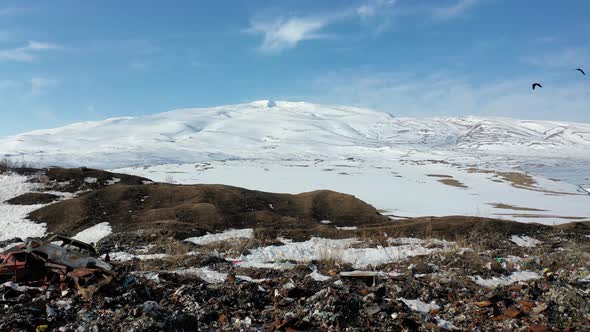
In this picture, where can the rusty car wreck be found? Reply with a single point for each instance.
(57, 260)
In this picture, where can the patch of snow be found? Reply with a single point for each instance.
(359, 273)
(90, 180)
(315, 275)
(121, 256)
(13, 218)
(405, 240)
(346, 228)
(420, 306)
(230, 234)
(525, 241)
(325, 222)
(416, 241)
(145, 249)
(340, 250)
(506, 280)
(113, 181)
(446, 325)
(205, 273)
(94, 233)
(263, 265)
(250, 279)
(10, 246)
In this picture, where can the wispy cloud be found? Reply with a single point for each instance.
(449, 94)
(453, 11)
(282, 33)
(27, 53)
(285, 33)
(373, 8)
(40, 84)
(377, 14)
(570, 57)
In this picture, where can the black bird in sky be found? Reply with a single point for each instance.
(580, 70)
(536, 85)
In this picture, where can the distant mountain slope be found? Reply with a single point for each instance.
(266, 129)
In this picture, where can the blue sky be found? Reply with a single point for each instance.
(66, 61)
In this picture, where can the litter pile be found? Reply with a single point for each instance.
(62, 285)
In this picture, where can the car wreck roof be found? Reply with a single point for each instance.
(70, 240)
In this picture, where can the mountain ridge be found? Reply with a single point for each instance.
(283, 129)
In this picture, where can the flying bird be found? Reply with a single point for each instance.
(536, 85)
(580, 70)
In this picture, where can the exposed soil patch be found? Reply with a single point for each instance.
(33, 198)
(440, 176)
(540, 216)
(517, 180)
(453, 183)
(513, 207)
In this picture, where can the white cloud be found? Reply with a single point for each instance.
(27, 53)
(372, 8)
(453, 11)
(281, 33)
(448, 94)
(40, 84)
(285, 33)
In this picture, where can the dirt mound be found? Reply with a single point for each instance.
(192, 207)
(453, 226)
(33, 198)
(76, 179)
(575, 226)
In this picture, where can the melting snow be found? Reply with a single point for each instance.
(506, 280)
(347, 228)
(113, 181)
(229, 234)
(315, 275)
(325, 222)
(368, 274)
(121, 256)
(13, 218)
(524, 241)
(12, 245)
(446, 324)
(94, 233)
(420, 306)
(90, 180)
(339, 250)
(250, 279)
(205, 273)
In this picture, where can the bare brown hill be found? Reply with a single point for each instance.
(186, 208)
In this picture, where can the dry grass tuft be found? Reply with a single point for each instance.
(453, 183)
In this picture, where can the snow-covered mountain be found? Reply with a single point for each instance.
(404, 166)
(268, 129)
